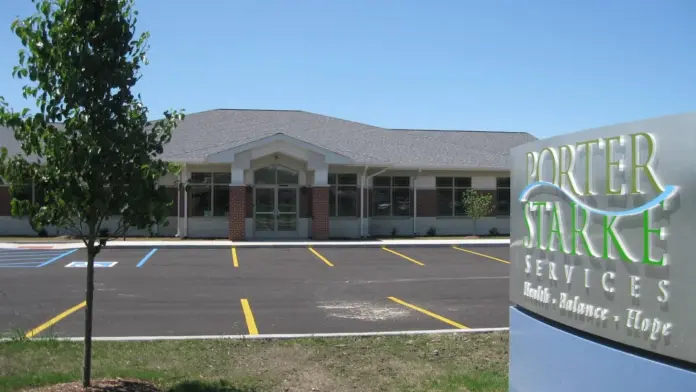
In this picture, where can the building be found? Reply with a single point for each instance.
(282, 174)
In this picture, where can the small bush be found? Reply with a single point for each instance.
(103, 236)
(432, 232)
(494, 231)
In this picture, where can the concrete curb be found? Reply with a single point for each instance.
(257, 244)
(274, 336)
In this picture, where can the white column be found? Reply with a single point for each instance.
(241, 163)
(318, 164)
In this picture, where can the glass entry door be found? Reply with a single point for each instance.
(275, 210)
(286, 208)
(264, 210)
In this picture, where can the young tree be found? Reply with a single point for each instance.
(477, 205)
(87, 146)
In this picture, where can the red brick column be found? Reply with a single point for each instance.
(237, 213)
(320, 213)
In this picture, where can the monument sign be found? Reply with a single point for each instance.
(603, 233)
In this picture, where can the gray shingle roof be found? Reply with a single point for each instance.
(205, 133)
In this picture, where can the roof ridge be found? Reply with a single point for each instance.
(452, 130)
(243, 110)
(261, 110)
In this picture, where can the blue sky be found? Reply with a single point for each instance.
(545, 67)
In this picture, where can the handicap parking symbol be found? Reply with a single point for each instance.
(97, 264)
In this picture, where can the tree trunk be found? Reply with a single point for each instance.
(89, 297)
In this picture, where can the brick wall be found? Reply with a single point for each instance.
(249, 201)
(238, 209)
(320, 213)
(5, 207)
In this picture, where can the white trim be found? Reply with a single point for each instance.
(275, 336)
(351, 163)
(229, 154)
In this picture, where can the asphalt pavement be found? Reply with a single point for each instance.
(230, 291)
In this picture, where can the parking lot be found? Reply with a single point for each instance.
(230, 291)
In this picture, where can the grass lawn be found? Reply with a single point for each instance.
(456, 362)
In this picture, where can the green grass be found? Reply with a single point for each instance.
(462, 362)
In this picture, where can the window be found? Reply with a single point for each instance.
(24, 191)
(343, 195)
(449, 195)
(209, 194)
(276, 175)
(502, 195)
(391, 196)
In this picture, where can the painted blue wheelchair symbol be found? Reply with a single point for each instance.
(97, 264)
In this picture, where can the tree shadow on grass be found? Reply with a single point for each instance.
(209, 386)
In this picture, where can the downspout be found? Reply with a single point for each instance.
(370, 176)
(185, 202)
(178, 206)
(363, 182)
(415, 202)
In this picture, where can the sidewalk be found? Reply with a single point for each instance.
(119, 243)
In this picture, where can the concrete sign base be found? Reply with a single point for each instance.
(544, 359)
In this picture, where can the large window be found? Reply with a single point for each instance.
(276, 175)
(25, 191)
(502, 191)
(449, 195)
(343, 195)
(391, 196)
(209, 194)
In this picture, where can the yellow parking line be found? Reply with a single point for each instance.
(235, 260)
(322, 258)
(403, 255)
(55, 320)
(481, 254)
(249, 316)
(429, 313)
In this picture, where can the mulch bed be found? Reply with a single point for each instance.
(117, 385)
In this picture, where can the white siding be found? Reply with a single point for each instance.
(208, 227)
(385, 226)
(479, 182)
(463, 226)
(10, 226)
(442, 226)
(425, 182)
(340, 227)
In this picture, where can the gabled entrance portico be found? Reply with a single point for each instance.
(272, 180)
